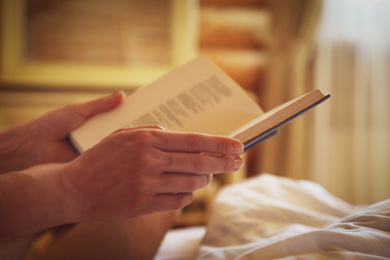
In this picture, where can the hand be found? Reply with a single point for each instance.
(45, 139)
(133, 172)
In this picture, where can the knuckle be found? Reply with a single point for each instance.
(192, 183)
(168, 162)
(144, 138)
(143, 183)
(150, 160)
(182, 200)
(193, 141)
(200, 163)
(222, 147)
(145, 160)
(229, 164)
(142, 155)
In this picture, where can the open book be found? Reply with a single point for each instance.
(196, 97)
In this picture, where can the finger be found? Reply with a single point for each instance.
(71, 117)
(100, 105)
(171, 201)
(197, 143)
(201, 163)
(182, 183)
(157, 127)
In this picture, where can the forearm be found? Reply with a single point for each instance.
(33, 200)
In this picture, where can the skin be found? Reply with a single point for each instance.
(45, 140)
(131, 173)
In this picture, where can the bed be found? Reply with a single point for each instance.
(270, 217)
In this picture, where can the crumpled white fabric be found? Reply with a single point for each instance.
(270, 217)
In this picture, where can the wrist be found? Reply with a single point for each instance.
(13, 156)
(64, 200)
(71, 199)
(33, 200)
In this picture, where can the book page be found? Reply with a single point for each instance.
(196, 97)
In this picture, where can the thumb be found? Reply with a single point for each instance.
(100, 105)
(68, 118)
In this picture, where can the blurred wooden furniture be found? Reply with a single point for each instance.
(59, 52)
(93, 44)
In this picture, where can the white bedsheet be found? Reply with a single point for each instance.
(270, 217)
(181, 244)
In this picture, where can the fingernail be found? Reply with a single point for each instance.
(210, 178)
(238, 163)
(236, 148)
(119, 92)
(160, 127)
